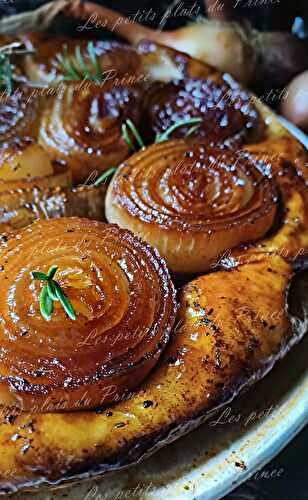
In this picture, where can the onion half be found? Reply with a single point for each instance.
(192, 201)
(225, 108)
(124, 301)
(83, 126)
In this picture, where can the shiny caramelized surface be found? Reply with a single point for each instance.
(192, 201)
(23, 206)
(233, 324)
(18, 115)
(225, 108)
(193, 187)
(123, 298)
(83, 126)
(25, 164)
(116, 59)
(220, 344)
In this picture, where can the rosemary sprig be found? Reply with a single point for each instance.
(192, 130)
(6, 74)
(104, 176)
(129, 125)
(6, 68)
(75, 67)
(51, 291)
(164, 136)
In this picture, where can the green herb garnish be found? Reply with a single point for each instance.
(164, 136)
(104, 176)
(6, 74)
(129, 125)
(51, 291)
(6, 68)
(76, 67)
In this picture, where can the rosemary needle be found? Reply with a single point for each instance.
(104, 176)
(51, 291)
(164, 136)
(6, 74)
(129, 124)
(76, 67)
(46, 304)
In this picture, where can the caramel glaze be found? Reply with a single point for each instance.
(227, 114)
(21, 207)
(233, 325)
(116, 59)
(125, 305)
(192, 201)
(83, 126)
(19, 115)
(289, 235)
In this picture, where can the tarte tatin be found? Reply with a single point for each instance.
(100, 366)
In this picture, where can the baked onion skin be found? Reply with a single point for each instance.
(125, 305)
(227, 113)
(224, 342)
(82, 126)
(21, 207)
(191, 201)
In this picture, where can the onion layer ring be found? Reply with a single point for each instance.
(191, 201)
(124, 300)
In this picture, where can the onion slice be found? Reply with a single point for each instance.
(225, 108)
(191, 201)
(82, 126)
(21, 207)
(124, 300)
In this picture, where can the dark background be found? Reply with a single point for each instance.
(263, 14)
(293, 483)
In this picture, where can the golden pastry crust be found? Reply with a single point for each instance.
(214, 353)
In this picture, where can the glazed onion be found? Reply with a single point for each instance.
(224, 107)
(191, 201)
(25, 164)
(83, 126)
(122, 296)
(19, 115)
(21, 207)
(116, 59)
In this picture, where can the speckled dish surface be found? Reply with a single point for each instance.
(227, 450)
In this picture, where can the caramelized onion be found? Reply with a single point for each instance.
(21, 207)
(224, 107)
(19, 115)
(117, 60)
(83, 126)
(25, 164)
(125, 305)
(191, 201)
